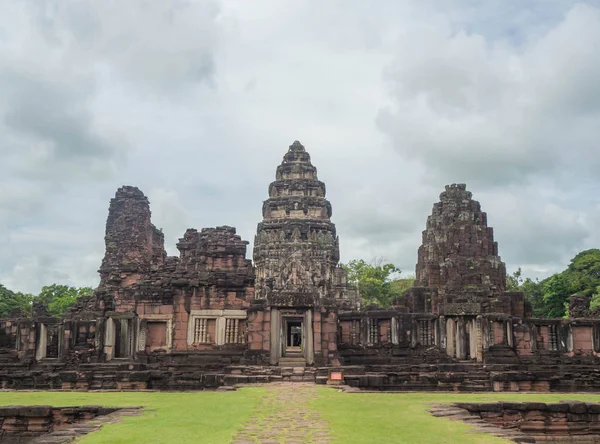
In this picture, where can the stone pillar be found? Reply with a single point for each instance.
(596, 337)
(364, 331)
(414, 332)
(477, 348)
(451, 337)
(510, 338)
(68, 337)
(220, 330)
(142, 331)
(42, 343)
(461, 331)
(394, 328)
(472, 339)
(109, 339)
(124, 339)
(309, 352)
(275, 337)
(440, 339)
(570, 344)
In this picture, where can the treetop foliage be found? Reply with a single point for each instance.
(375, 281)
(57, 298)
(550, 297)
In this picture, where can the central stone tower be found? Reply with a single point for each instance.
(296, 255)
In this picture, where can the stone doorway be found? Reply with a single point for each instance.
(291, 335)
(294, 343)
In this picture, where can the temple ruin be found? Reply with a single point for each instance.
(213, 317)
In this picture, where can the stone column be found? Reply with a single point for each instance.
(142, 330)
(275, 338)
(364, 331)
(461, 332)
(570, 343)
(124, 338)
(68, 336)
(510, 338)
(477, 349)
(394, 327)
(220, 330)
(414, 332)
(109, 339)
(440, 339)
(42, 345)
(451, 337)
(309, 352)
(533, 336)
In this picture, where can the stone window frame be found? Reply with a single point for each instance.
(373, 330)
(425, 332)
(41, 343)
(220, 317)
(155, 318)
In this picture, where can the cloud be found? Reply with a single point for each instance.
(195, 102)
(495, 113)
(72, 78)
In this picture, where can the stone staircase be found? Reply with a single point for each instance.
(292, 361)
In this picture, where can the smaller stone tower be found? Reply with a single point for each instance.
(133, 244)
(458, 262)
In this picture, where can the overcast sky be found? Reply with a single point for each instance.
(196, 102)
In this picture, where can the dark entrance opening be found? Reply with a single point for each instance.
(294, 336)
(52, 333)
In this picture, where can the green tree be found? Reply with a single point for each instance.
(401, 285)
(534, 293)
(514, 281)
(557, 291)
(58, 298)
(11, 301)
(595, 301)
(550, 297)
(375, 281)
(584, 272)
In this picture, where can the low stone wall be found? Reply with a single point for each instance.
(22, 424)
(566, 421)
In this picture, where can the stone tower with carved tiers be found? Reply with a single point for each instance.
(296, 249)
(458, 259)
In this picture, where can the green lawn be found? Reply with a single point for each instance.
(214, 417)
(196, 417)
(403, 417)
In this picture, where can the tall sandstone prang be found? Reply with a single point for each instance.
(458, 268)
(296, 255)
(296, 248)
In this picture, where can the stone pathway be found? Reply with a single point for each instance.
(284, 417)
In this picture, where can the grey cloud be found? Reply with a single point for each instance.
(54, 116)
(493, 113)
(161, 47)
(196, 103)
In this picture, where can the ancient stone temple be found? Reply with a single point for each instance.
(296, 255)
(212, 317)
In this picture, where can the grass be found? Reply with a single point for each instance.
(403, 417)
(215, 417)
(193, 417)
